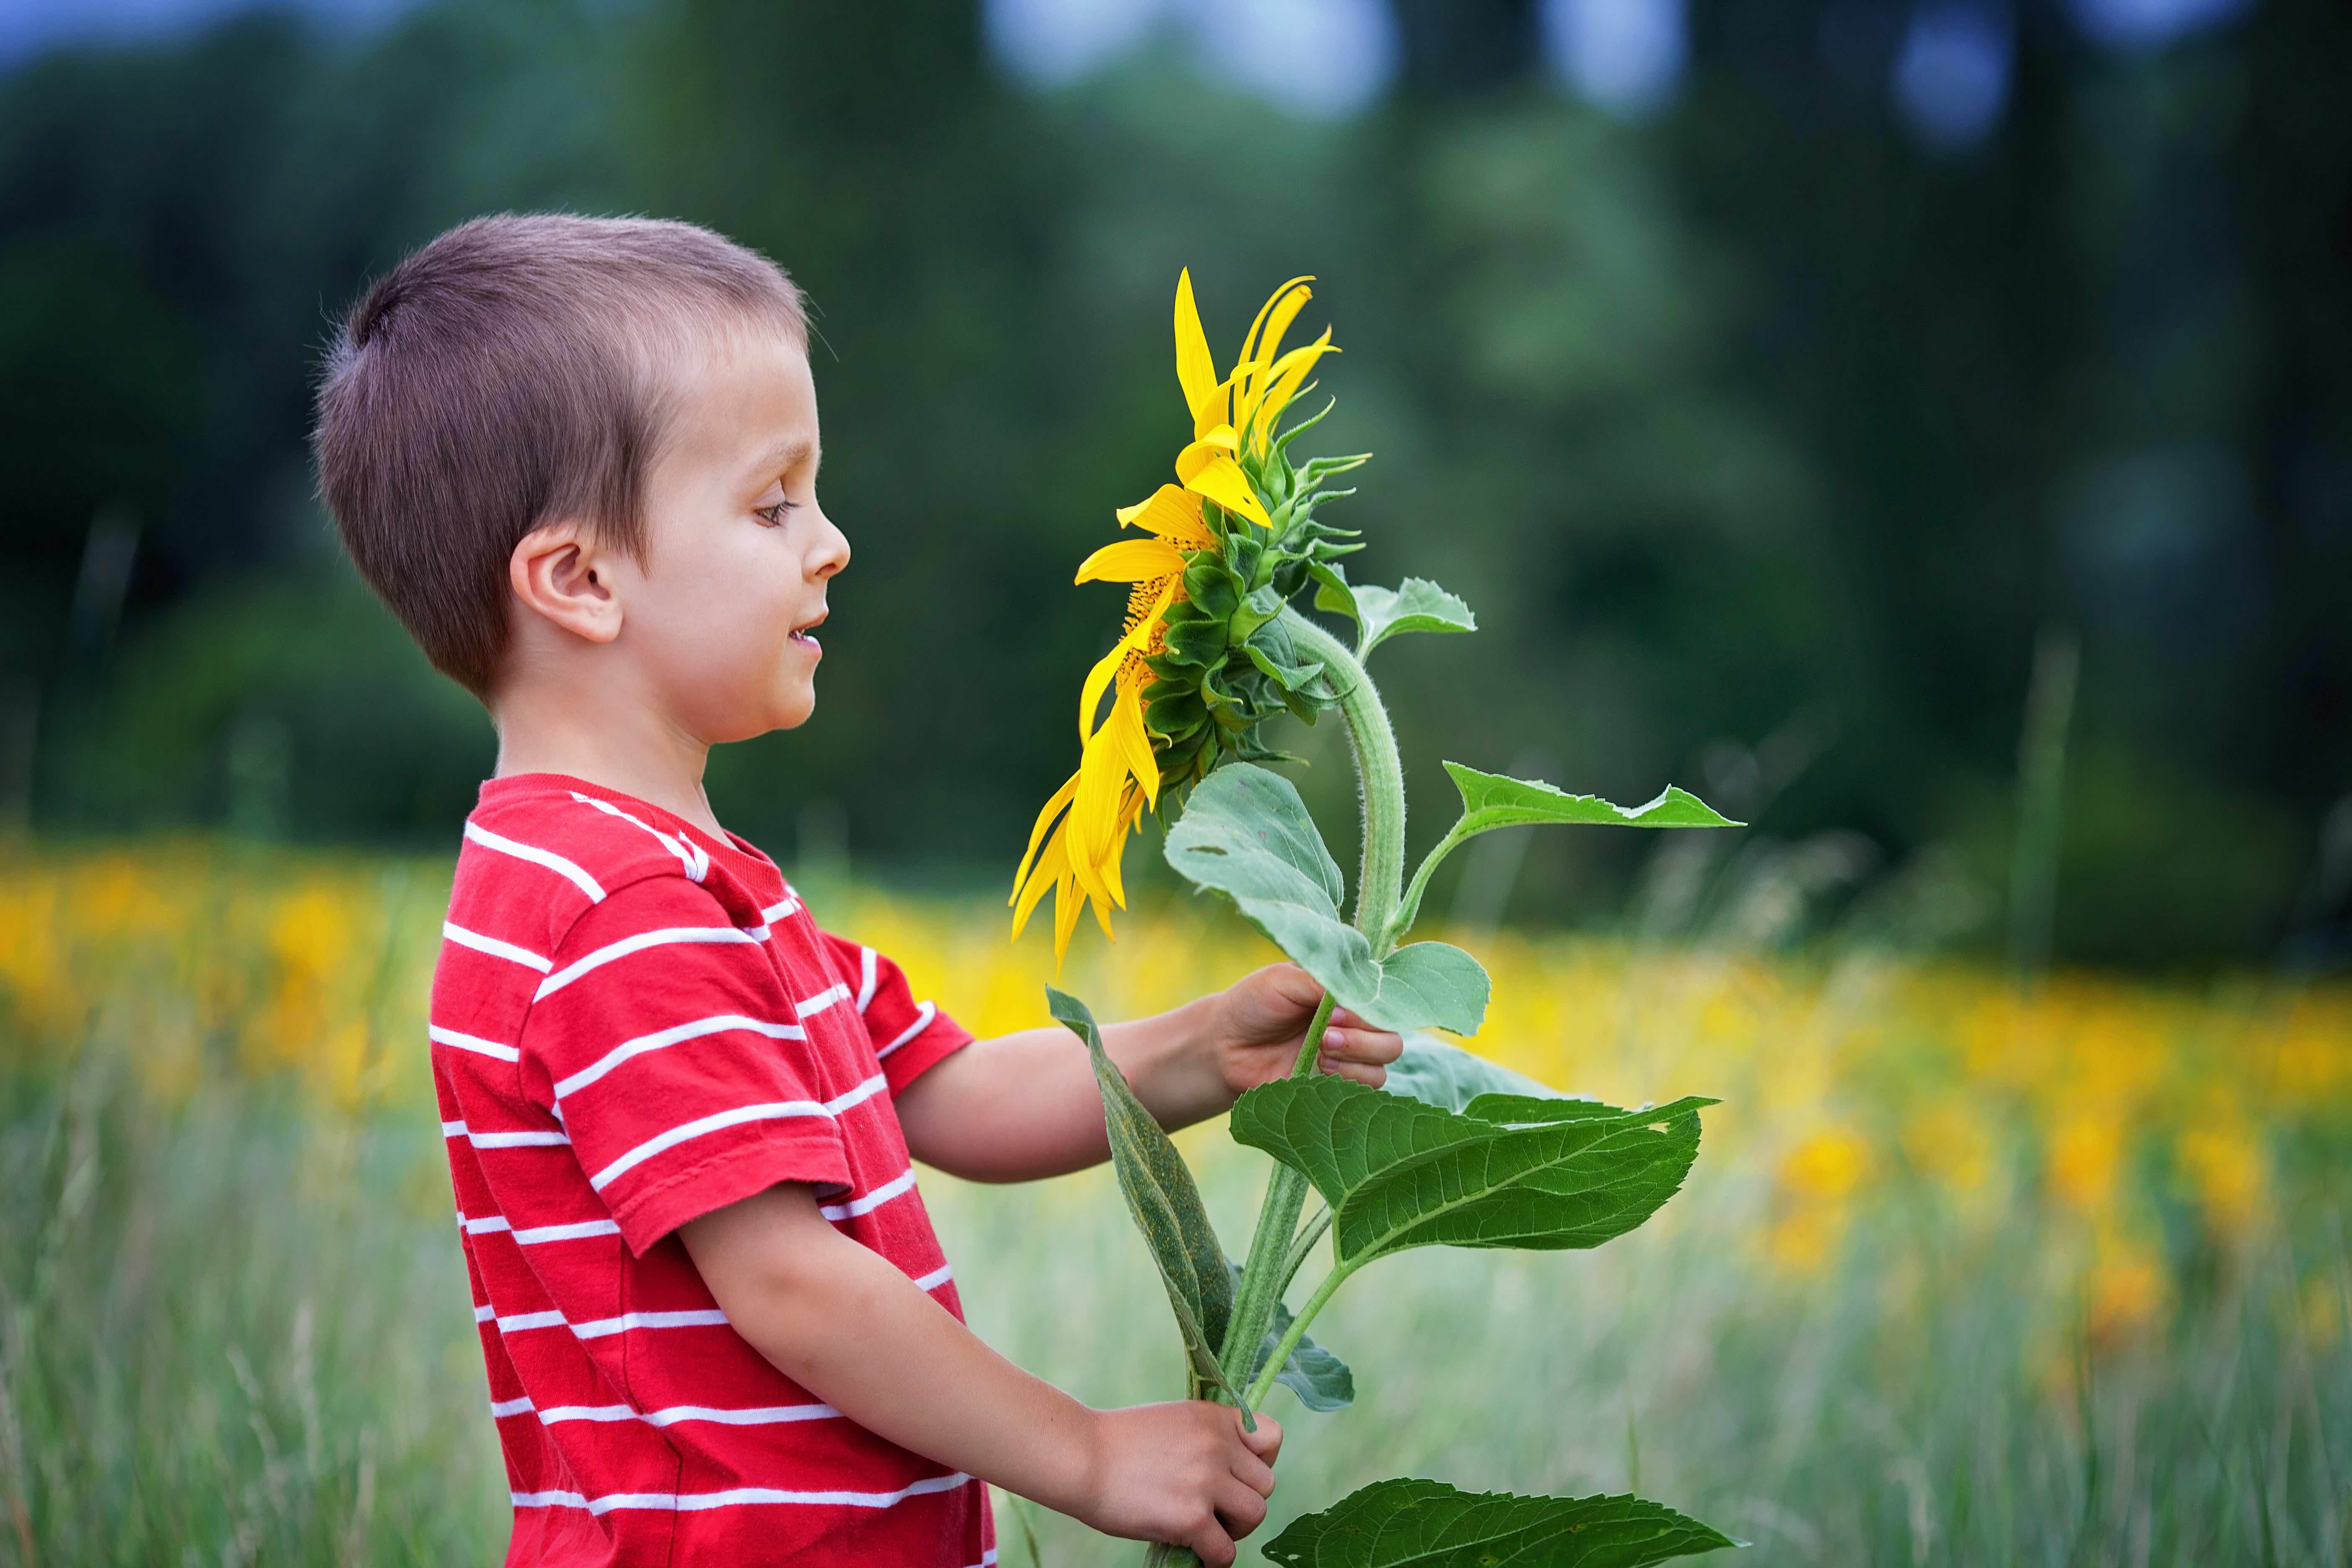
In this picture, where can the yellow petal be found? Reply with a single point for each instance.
(1037, 835)
(1249, 342)
(1126, 727)
(1214, 412)
(1131, 560)
(1106, 668)
(1288, 375)
(1053, 865)
(1173, 513)
(1207, 471)
(1224, 437)
(1196, 369)
(1067, 904)
(1277, 325)
(1094, 818)
(1097, 680)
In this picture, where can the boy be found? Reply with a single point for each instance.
(578, 459)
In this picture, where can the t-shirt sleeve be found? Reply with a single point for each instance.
(663, 1040)
(910, 1037)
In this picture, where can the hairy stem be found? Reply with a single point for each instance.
(1254, 1395)
(1286, 1195)
(1301, 1247)
(1409, 909)
(1379, 772)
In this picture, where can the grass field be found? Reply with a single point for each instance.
(1963, 1276)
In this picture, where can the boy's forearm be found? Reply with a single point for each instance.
(842, 1321)
(1025, 1105)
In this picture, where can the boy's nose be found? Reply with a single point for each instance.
(832, 552)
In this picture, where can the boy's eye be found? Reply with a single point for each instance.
(773, 516)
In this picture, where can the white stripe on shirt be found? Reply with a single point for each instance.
(502, 1140)
(670, 1037)
(923, 1018)
(734, 1116)
(822, 1000)
(494, 947)
(672, 1415)
(538, 856)
(935, 1279)
(503, 1408)
(441, 1036)
(790, 902)
(869, 975)
(874, 1200)
(695, 1503)
(690, 854)
(637, 943)
(534, 1235)
(604, 1328)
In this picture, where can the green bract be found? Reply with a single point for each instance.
(1229, 663)
(1458, 1152)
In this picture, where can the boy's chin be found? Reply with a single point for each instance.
(786, 711)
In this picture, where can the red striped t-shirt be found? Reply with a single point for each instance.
(634, 1024)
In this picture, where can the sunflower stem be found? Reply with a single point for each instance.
(1380, 775)
(1263, 1275)
(1380, 881)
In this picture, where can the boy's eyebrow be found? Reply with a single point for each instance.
(784, 454)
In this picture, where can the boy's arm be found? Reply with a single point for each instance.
(1025, 1105)
(842, 1321)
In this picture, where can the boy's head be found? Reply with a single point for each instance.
(585, 449)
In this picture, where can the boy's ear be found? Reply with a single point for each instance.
(562, 573)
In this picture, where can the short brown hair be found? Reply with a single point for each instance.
(505, 376)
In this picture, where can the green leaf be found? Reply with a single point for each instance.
(1428, 1524)
(1544, 1175)
(1246, 834)
(1490, 800)
(1278, 658)
(1332, 592)
(1449, 1078)
(1160, 1194)
(1320, 1379)
(1416, 605)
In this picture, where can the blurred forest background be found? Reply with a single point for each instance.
(1773, 378)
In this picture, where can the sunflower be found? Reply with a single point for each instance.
(1226, 472)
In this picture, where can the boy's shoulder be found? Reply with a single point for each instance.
(538, 854)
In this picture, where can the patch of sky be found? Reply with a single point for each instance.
(2148, 24)
(1317, 58)
(1050, 42)
(1624, 57)
(1951, 72)
(29, 27)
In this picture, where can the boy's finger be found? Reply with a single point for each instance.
(1266, 1441)
(1377, 1047)
(1212, 1546)
(1254, 1473)
(1241, 1509)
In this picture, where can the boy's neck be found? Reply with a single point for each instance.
(620, 745)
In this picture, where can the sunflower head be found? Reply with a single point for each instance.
(1205, 659)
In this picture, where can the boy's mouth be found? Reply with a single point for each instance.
(800, 633)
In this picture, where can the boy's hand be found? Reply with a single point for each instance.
(1184, 1472)
(1262, 1021)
